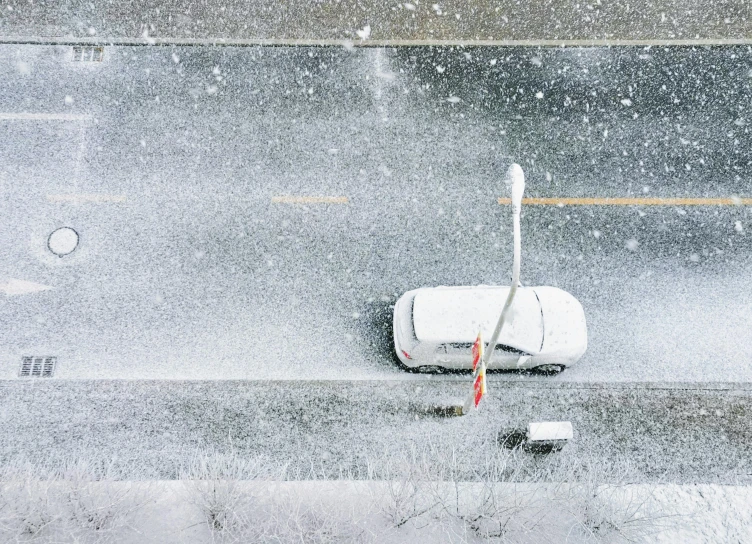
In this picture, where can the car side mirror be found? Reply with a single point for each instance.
(522, 361)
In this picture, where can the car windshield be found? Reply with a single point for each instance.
(456, 315)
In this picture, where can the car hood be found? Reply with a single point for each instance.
(564, 326)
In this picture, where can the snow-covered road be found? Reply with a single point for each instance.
(176, 165)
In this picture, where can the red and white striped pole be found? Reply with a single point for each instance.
(479, 377)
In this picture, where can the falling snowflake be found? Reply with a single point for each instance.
(364, 33)
(626, 102)
(454, 99)
(149, 39)
(632, 244)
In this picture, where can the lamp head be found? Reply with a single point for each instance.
(516, 178)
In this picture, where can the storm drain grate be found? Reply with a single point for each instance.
(83, 53)
(37, 367)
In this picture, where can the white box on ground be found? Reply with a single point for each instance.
(547, 431)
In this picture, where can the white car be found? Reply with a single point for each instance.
(435, 327)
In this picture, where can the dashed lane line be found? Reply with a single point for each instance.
(310, 200)
(86, 198)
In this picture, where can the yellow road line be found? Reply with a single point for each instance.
(583, 201)
(24, 116)
(81, 198)
(310, 200)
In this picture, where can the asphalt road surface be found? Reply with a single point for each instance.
(253, 213)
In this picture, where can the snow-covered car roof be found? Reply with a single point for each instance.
(455, 314)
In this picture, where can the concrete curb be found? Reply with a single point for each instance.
(393, 43)
(438, 381)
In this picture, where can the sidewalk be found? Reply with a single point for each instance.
(679, 436)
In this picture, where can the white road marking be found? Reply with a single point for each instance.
(13, 286)
(25, 116)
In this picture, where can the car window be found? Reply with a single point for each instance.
(500, 348)
(509, 349)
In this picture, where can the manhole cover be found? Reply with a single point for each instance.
(63, 241)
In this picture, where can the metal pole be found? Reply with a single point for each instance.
(516, 176)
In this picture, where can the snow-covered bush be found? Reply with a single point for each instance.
(27, 507)
(608, 505)
(507, 504)
(214, 482)
(425, 493)
(408, 495)
(77, 501)
(307, 520)
(238, 502)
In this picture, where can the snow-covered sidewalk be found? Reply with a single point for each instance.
(669, 435)
(190, 511)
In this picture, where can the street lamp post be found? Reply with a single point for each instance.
(516, 178)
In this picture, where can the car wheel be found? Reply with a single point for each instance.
(403, 366)
(549, 370)
(429, 369)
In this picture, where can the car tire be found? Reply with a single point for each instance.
(549, 370)
(429, 369)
